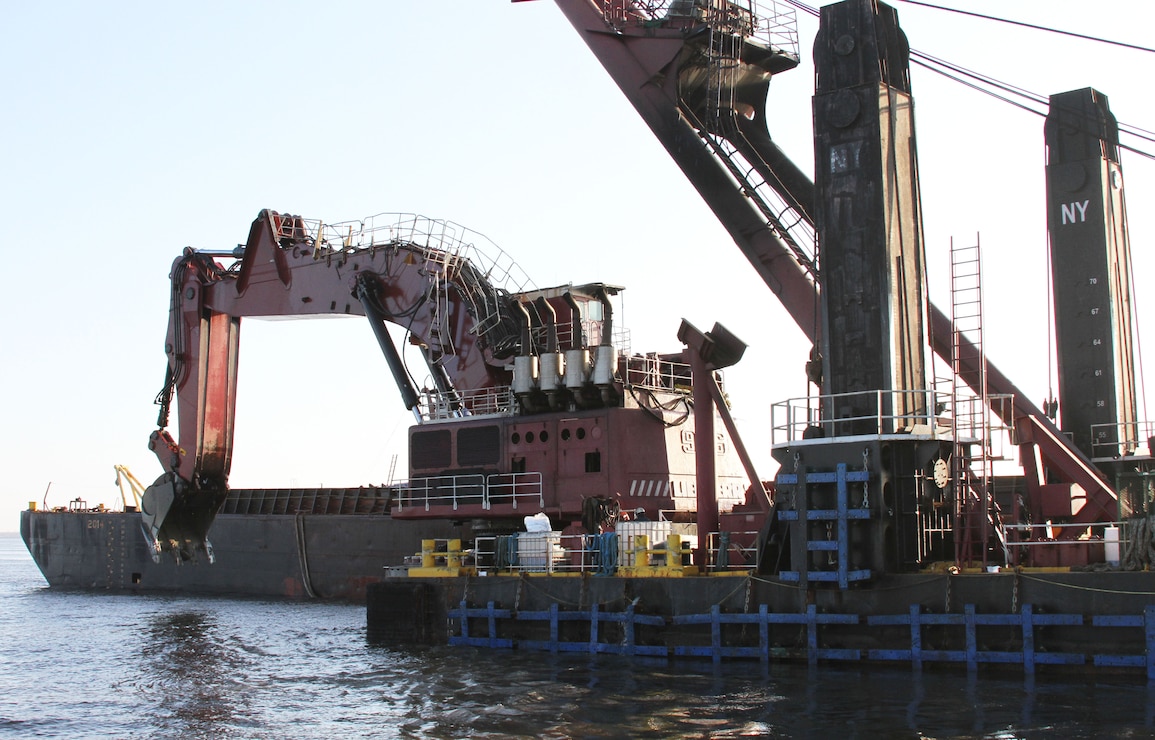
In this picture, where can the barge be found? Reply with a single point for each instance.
(894, 532)
(891, 532)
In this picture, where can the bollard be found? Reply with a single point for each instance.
(674, 552)
(641, 550)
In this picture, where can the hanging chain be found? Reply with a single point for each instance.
(794, 488)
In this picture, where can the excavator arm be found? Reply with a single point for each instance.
(412, 272)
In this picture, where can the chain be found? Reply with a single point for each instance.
(1015, 595)
(746, 608)
(866, 483)
(794, 488)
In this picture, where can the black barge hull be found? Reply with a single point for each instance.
(329, 556)
(1065, 620)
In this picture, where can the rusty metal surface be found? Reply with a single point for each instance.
(1091, 276)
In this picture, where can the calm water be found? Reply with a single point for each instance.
(94, 665)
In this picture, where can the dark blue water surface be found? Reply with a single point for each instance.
(76, 665)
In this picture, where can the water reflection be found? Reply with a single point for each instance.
(189, 669)
(459, 692)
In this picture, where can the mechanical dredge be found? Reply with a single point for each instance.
(886, 533)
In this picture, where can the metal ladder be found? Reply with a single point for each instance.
(729, 24)
(976, 513)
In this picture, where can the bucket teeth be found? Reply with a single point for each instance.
(176, 518)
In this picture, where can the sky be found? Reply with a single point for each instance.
(131, 130)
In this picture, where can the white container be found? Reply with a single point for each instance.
(551, 365)
(577, 363)
(605, 360)
(656, 531)
(1111, 544)
(539, 551)
(524, 374)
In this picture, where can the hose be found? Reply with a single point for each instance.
(1139, 549)
(607, 553)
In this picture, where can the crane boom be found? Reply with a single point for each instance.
(661, 56)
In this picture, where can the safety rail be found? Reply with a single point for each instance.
(592, 335)
(804, 418)
(641, 371)
(1116, 538)
(441, 490)
(553, 552)
(622, 340)
(454, 491)
(75, 506)
(438, 236)
(480, 271)
(507, 488)
(1045, 533)
(768, 22)
(807, 417)
(777, 24)
(539, 552)
(1112, 440)
(733, 550)
(653, 372)
(607, 553)
(455, 404)
(80, 506)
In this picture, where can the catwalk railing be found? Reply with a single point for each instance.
(930, 414)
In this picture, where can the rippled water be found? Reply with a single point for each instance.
(79, 665)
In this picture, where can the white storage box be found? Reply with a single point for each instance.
(539, 550)
(656, 531)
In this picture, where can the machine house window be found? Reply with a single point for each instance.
(430, 450)
(478, 446)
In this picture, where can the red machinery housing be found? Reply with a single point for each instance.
(532, 407)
